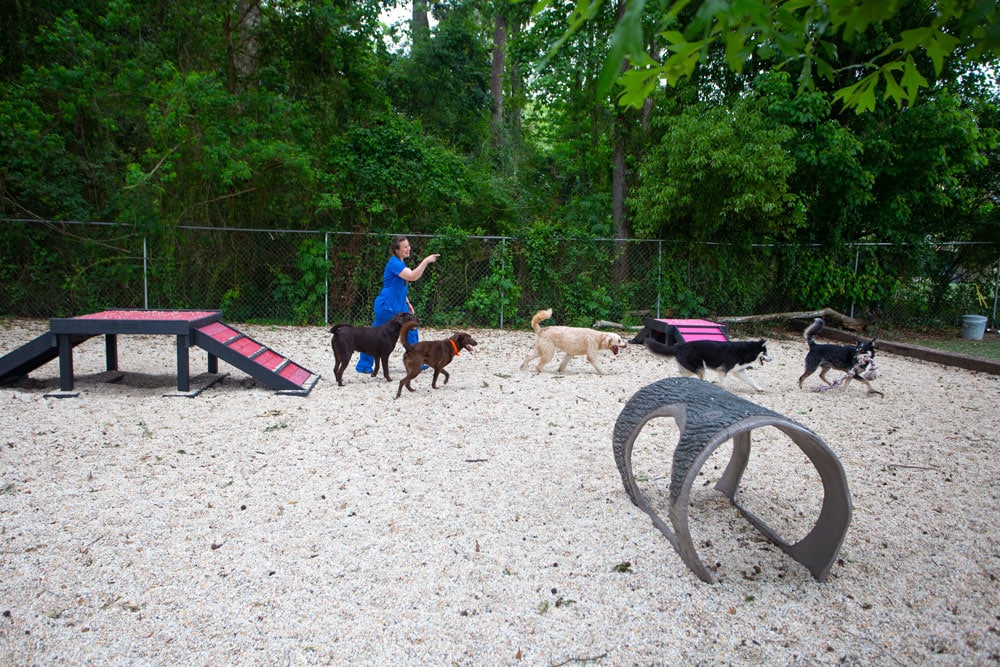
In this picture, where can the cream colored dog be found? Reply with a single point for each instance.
(574, 341)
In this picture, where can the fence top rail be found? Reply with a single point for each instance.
(488, 237)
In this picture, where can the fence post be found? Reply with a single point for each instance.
(326, 298)
(996, 289)
(857, 254)
(659, 275)
(503, 268)
(145, 274)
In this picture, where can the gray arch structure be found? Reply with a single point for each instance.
(707, 417)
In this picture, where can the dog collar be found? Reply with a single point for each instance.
(453, 346)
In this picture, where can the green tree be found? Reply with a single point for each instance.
(445, 83)
(718, 172)
(389, 175)
(800, 34)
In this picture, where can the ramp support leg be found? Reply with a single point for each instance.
(111, 351)
(65, 362)
(183, 369)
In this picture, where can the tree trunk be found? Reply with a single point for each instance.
(619, 184)
(619, 191)
(514, 115)
(515, 82)
(243, 46)
(420, 27)
(619, 177)
(496, 74)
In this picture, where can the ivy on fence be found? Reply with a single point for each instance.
(58, 269)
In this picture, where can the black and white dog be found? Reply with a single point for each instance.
(697, 356)
(855, 360)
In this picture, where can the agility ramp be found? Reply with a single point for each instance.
(254, 358)
(676, 331)
(17, 364)
(203, 329)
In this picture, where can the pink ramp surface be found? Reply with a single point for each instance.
(690, 330)
(150, 315)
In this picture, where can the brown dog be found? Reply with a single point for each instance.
(377, 341)
(434, 353)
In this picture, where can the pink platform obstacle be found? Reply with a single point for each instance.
(201, 328)
(674, 331)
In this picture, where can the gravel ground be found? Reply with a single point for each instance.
(481, 523)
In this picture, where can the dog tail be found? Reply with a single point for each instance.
(540, 316)
(335, 329)
(660, 348)
(812, 330)
(405, 329)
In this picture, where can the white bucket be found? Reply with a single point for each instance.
(973, 327)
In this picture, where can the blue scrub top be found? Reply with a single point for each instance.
(392, 298)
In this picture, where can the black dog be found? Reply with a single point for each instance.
(377, 341)
(725, 357)
(841, 357)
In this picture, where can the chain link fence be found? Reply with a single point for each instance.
(64, 269)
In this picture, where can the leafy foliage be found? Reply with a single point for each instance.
(568, 271)
(445, 84)
(386, 174)
(718, 172)
(305, 294)
(185, 122)
(799, 34)
(498, 293)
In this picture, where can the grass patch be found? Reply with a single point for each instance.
(947, 340)
(987, 348)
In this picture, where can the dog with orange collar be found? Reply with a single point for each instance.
(434, 354)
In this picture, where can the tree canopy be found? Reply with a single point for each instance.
(736, 121)
(803, 36)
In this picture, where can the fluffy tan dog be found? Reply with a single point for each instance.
(574, 341)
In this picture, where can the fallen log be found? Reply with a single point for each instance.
(846, 321)
(605, 324)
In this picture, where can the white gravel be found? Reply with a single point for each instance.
(481, 523)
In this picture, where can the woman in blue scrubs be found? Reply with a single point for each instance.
(393, 299)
